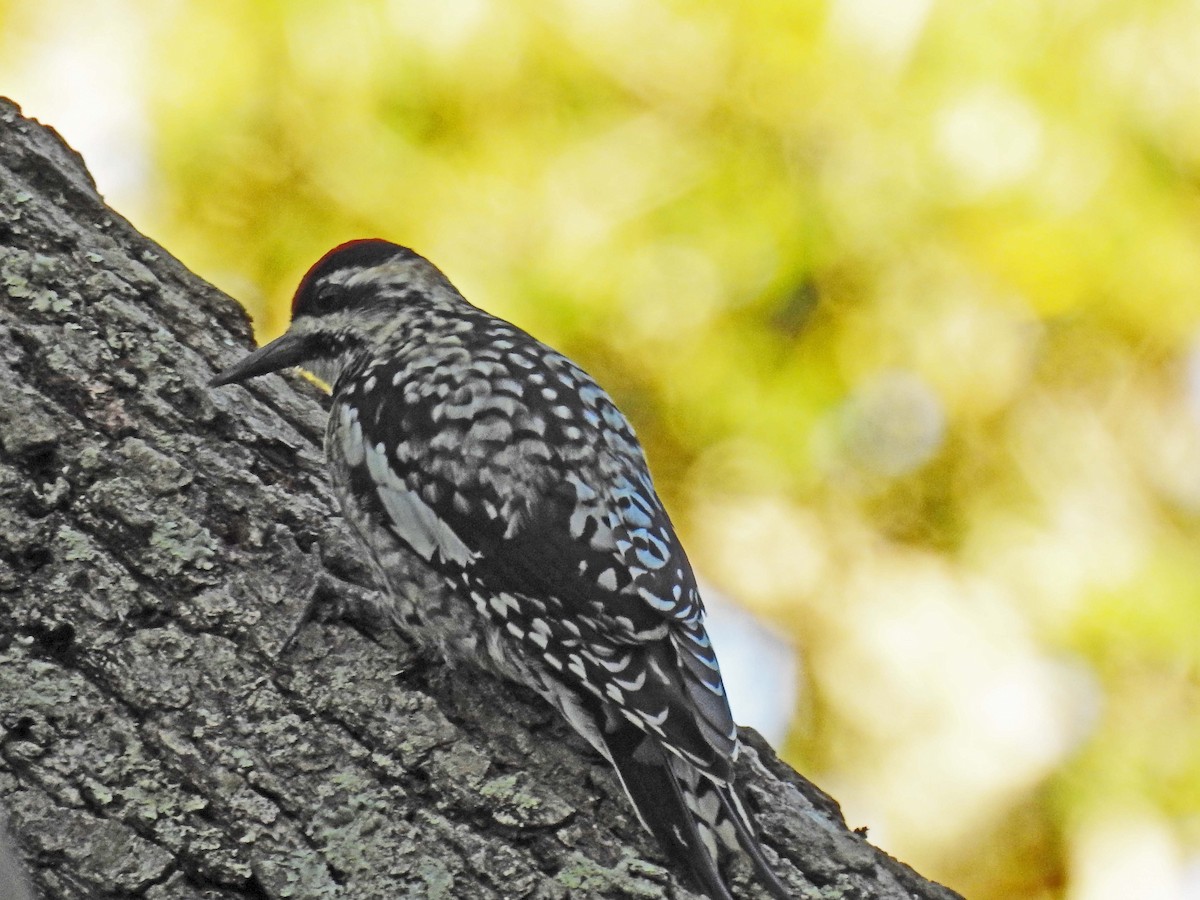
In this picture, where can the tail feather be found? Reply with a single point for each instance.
(748, 839)
(662, 807)
(694, 818)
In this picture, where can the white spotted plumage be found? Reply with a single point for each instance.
(508, 509)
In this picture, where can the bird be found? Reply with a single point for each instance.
(464, 450)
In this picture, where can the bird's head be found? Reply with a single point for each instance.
(348, 296)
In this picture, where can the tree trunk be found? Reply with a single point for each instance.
(159, 543)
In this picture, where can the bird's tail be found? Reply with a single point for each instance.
(694, 818)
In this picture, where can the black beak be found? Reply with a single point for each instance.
(287, 350)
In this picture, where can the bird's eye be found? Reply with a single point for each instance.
(331, 294)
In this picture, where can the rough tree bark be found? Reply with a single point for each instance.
(158, 543)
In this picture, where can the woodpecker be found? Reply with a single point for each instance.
(464, 450)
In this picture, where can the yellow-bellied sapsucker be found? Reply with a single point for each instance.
(460, 445)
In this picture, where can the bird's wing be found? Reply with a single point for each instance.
(611, 565)
(578, 559)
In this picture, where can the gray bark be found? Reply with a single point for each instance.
(158, 544)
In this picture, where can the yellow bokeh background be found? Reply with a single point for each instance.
(903, 297)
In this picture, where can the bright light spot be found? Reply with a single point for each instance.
(774, 552)
(1092, 530)
(445, 26)
(1034, 711)
(958, 712)
(74, 78)
(991, 138)
(1154, 60)
(894, 424)
(1168, 436)
(1191, 879)
(1192, 381)
(1125, 854)
(979, 352)
(889, 28)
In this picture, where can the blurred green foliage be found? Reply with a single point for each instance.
(902, 295)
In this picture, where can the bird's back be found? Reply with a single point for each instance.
(502, 466)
